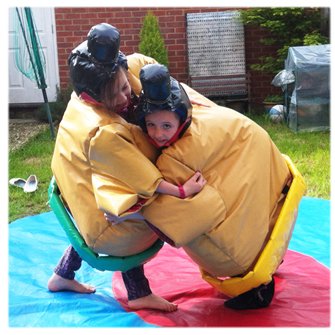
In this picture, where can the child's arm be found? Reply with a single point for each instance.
(191, 186)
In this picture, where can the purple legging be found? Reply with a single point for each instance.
(136, 283)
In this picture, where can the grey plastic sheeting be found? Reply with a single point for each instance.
(308, 98)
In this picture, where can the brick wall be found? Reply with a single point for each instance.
(72, 25)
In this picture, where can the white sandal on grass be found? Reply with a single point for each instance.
(31, 184)
(19, 182)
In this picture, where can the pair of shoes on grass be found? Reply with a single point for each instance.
(29, 185)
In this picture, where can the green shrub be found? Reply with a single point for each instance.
(151, 41)
(287, 27)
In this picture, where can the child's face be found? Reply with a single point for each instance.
(161, 126)
(122, 92)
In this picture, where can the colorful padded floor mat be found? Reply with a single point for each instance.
(36, 243)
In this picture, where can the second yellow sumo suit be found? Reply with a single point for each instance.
(238, 227)
(225, 226)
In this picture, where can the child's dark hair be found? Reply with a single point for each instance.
(109, 90)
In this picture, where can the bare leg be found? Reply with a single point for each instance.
(64, 273)
(56, 283)
(140, 295)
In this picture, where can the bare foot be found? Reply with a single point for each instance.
(56, 283)
(152, 301)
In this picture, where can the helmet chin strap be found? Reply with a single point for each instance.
(87, 98)
(175, 137)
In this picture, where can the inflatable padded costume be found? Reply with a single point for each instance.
(101, 162)
(224, 227)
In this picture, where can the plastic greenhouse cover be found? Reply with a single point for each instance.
(308, 97)
(307, 55)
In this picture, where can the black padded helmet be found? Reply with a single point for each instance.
(94, 62)
(103, 43)
(160, 91)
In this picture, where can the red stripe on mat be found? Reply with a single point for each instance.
(302, 297)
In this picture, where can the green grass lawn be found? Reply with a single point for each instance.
(310, 152)
(33, 158)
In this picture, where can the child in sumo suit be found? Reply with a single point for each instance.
(98, 151)
(224, 227)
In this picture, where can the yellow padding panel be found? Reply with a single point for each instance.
(274, 250)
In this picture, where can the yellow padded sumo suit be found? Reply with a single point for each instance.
(225, 226)
(98, 166)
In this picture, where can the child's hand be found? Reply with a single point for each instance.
(195, 184)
